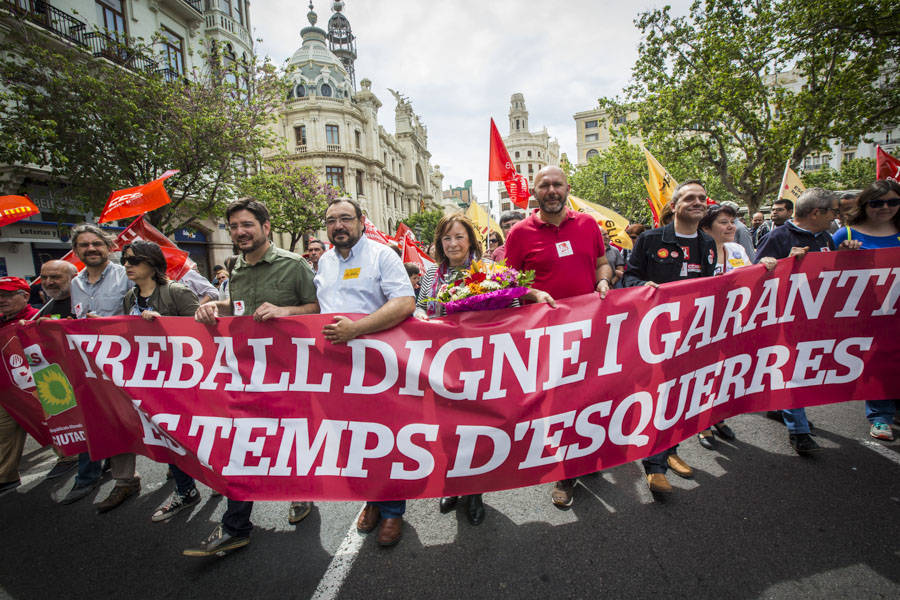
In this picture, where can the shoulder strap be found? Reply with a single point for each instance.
(848, 233)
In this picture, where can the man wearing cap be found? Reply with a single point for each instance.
(14, 293)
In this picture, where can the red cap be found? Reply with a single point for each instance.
(13, 284)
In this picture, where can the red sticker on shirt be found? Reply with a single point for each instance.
(687, 252)
(662, 253)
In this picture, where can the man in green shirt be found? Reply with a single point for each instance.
(266, 282)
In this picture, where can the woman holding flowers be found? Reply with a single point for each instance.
(456, 247)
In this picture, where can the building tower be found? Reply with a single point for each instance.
(341, 40)
(518, 115)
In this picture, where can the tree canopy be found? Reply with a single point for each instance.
(423, 225)
(93, 126)
(295, 196)
(744, 85)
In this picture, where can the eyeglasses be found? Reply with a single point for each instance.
(892, 202)
(345, 220)
(96, 244)
(133, 260)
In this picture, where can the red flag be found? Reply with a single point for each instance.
(178, 262)
(15, 208)
(517, 187)
(138, 200)
(886, 166)
(500, 167)
(410, 247)
(374, 234)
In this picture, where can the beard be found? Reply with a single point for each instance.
(546, 200)
(348, 242)
(255, 244)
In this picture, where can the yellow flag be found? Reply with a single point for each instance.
(660, 185)
(482, 220)
(791, 186)
(610, 220)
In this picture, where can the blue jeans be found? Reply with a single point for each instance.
(659, 462)
(795, 420)
(391, 509)
(89, 471)
(880, 411)
(184, 483)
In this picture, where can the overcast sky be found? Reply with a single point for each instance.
(459, 61)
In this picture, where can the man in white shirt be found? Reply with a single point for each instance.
(362, 276)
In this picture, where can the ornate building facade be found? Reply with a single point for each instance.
(330, 125)
(529, 151)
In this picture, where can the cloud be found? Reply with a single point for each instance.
(459, 61)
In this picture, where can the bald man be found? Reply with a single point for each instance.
(56, 279)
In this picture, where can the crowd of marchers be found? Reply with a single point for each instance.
(567, 250)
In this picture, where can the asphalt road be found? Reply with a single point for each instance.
(756, 521)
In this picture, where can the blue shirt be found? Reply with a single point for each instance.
(869, 242)
(363, 282)
(779, 242)
(104, 297)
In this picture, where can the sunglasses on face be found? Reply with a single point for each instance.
(892, 202)
(133, 260)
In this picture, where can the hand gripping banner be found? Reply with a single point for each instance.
(479, 401)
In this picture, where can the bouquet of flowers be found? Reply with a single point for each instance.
(483, 286)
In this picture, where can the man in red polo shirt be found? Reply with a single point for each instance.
(566, 251)
(14, 292)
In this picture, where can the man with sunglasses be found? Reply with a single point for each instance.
(807, 231)
(97, 292)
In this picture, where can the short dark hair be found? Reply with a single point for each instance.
(511, 215)
(787, 203)
(218, 268)
(875, 191)
(412, 269)
(257, 208)
(315, 241)
(676, 195)
(713, 212)
(356, 207)
(153, 255)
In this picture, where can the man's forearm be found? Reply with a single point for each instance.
(304, 309)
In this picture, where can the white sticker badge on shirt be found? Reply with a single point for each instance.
(563, 249)
(238, 308)
(78, 310)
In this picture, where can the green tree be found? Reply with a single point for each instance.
(94, 126)
(295, 196)
(423, 224)
(855, 174)
(744, 84)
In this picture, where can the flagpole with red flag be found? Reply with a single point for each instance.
(500, 168)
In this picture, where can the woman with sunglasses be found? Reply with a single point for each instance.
(875, 221)
(494, 242)
(152, 296)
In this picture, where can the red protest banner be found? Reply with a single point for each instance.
(16, 208)
(500, 166)
(410, 247)
(517, 188)
(137, 200)
(485, 400)
(886, 166)
(38, 395)
(375, 234)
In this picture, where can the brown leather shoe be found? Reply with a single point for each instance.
(390, 532)
(679, 467)
(368, 518)
(658, 483)
(119, 494)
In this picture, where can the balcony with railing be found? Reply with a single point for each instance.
(74, 30)
(332, 147)
(216, 19)
(191, 10)
(300, 148)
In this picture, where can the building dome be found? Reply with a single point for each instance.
(316, 70)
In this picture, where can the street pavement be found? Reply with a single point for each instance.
(756, 521)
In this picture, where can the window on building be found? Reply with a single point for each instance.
(173, 50)
(619, 120)
(591, 154)
(385, 159)
(325, 90)
(230, 63)
(518, 168)
(358, 137)
(359, 183)
(111, 17)
(849, 156)
(300, 90)
(539, 153)
(517, 154)
(238, 11)
(889, 137)
(591, 124)
(300, 135)
(517, 123)
(530, 168)
(335, 177)
(591, 137)
(332, 135)
(529, 154)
